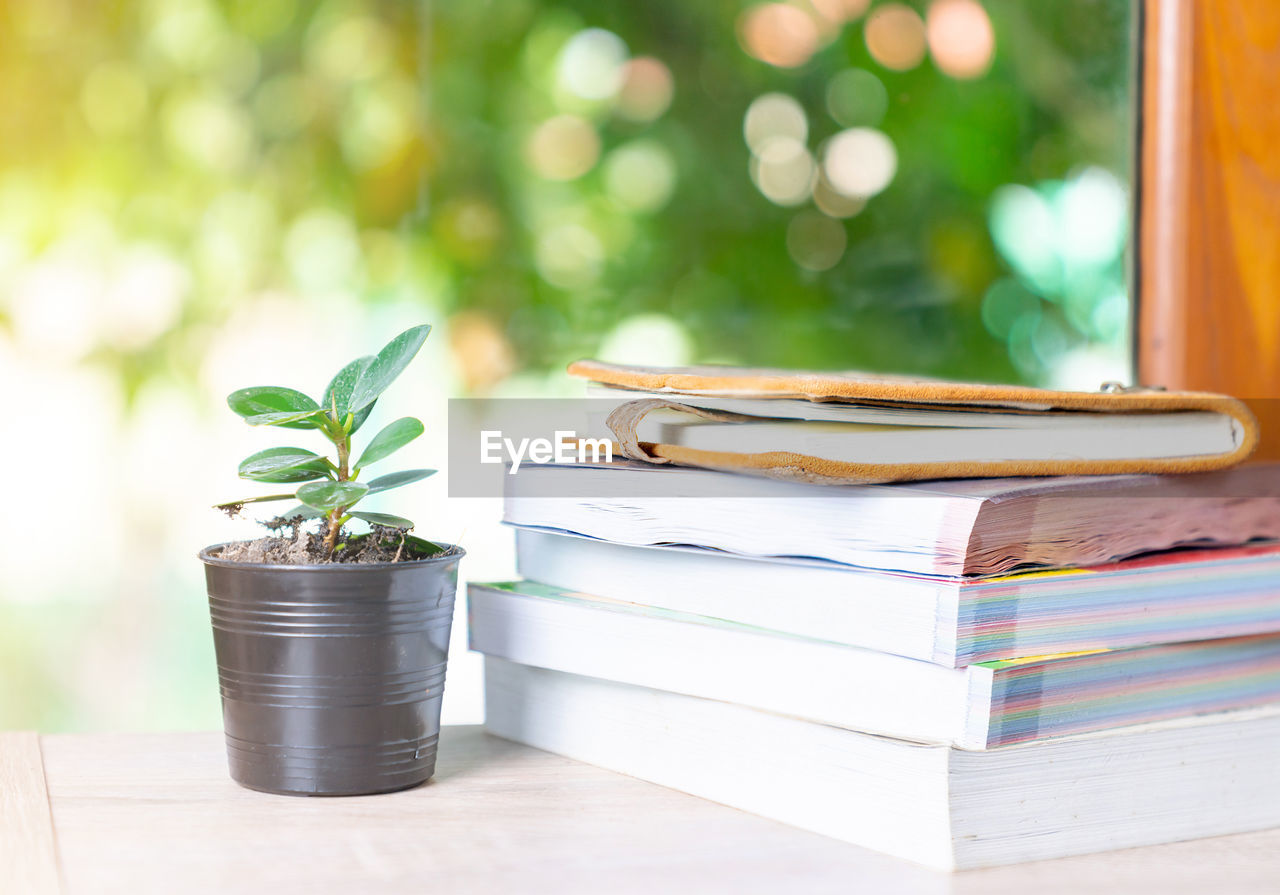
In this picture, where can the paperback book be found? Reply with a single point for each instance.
(980, 706)
(937, 805)
(954, 527)
(1163, 598)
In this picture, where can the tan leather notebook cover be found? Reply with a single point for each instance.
(895, 391)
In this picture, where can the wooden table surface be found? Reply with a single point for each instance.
(156, 813)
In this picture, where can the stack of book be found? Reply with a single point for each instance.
(961, 672)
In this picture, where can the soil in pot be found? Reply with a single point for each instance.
(291, 545)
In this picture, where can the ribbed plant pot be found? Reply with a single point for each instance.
(331, 675)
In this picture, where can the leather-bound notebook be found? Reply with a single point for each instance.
(841, 428)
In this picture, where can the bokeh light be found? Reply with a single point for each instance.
(1093, 217)
(655, 339)
(895, 36)
(857, 98)
(774, 115)
(640, 176)
(832, 202)
(1067, 313)
(1005, 303)
(53, 303)
(591, 64)
(837, 12)
(189, 36)
(569, 256)
(471, 228)
(859, 162)
(209, 128)
(354, 48)
(1075, 227)
(235, 238)
(379, 123)
(144, 297)
(779, 34)
(1025, 232)
(815, 241)
(1110, 319)
(960, 37)
(784, 171)
(646, 91)
(481, 352)
(563, 148)
(322, 251)
(1049, 341)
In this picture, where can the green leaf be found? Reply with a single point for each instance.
(290, 420)
(396, 479)
(424, 547)
(302, 510)
(331, 495)
(387, 365)
(393, 437)
(273, 401)
(339, 391)
(284, 464)
(384, 519)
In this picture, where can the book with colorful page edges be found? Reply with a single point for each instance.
(977, 707)
(1169, 597)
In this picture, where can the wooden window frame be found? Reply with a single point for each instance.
(1207, 203)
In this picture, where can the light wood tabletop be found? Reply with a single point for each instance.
(157, 813)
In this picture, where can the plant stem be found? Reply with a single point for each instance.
(344, 474)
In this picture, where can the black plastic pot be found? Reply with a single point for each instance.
(331, 675)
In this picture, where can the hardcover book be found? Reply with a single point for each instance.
(815, 426)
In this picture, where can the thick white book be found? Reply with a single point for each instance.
(1171, 597)
(950, 527)
(935, 805)
(977, 707)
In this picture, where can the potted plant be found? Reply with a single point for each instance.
(331, 644)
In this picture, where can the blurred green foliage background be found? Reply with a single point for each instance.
(194, 193)
(384, 148)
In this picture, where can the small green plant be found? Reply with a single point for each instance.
(330, 488)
